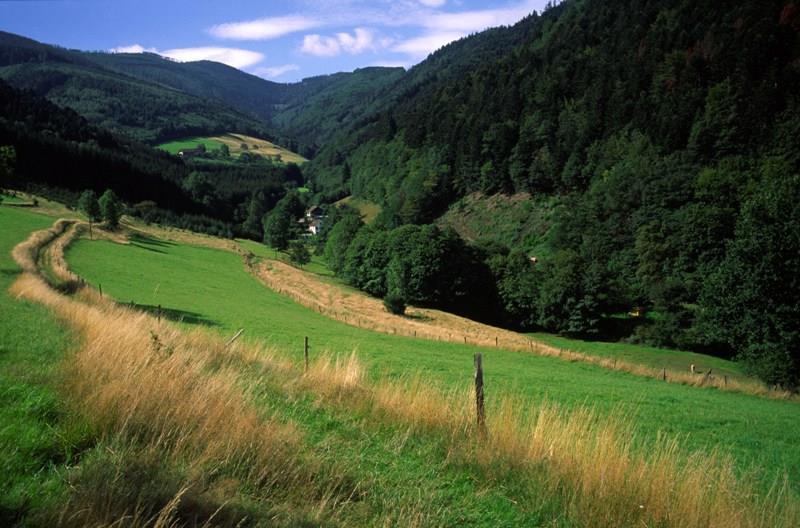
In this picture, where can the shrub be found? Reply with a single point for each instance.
(395, 303)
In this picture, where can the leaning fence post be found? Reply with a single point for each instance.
(305, 351)
(100, 286)
(234, 338)
(158, 314)
(664, 374)
(479, 394)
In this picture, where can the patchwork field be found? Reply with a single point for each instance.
(237, 144)
(210, 288)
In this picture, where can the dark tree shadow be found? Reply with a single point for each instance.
(172, 314)
(149, 243)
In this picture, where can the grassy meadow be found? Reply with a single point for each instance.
(210, 288)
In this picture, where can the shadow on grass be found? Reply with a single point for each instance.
(149, 243)
(171, 314)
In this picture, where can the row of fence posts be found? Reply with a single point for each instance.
(478, 367)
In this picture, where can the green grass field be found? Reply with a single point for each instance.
(173, 147)
(644, 355)
(36, 443)
(211, 288)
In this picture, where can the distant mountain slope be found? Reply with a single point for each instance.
(320, 107)
(210, 80)
(143, 110)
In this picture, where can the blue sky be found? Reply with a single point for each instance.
(283, 41)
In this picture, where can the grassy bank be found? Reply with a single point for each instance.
(36, 442)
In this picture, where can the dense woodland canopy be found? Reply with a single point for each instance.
(663, 135)
(669, 133)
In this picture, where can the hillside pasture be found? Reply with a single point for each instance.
(173, 147)
(210, 288)
(237, 145)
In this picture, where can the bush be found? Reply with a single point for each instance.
(395, 303)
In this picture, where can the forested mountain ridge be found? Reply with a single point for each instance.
(534, 118)
(659, 139)
(140, 109)
(667, 131)
(207, 79)
(189, 98)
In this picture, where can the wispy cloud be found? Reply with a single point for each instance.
(238, 58)
(133, 48)
(421, 47)
(433, 3)
(361, 40)
(272, 72)
(478, 20)
(264, 28)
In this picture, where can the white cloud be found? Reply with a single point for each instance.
(237, 58)
(433, 3)
(271, 72)
(264, 28)
(473, 21)
(320, 46)
(421, 47)
(134, 48)
(361, 40)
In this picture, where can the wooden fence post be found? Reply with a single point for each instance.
(496, 342)
(100, 286)
(158, 313)
(305, 351)
(664, 375)
(479, 394)
(726, 380)
(235, 337)
(465, 340)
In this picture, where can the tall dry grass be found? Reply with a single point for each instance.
(587, 462)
